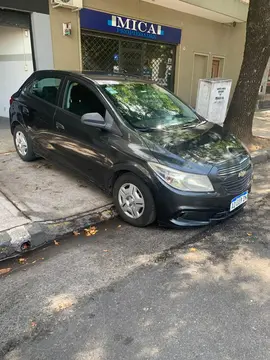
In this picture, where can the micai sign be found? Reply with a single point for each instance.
(135, 27)
(116, 24)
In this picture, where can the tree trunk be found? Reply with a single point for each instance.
(257, 52)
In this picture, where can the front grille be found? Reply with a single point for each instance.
(227, 169)
(233, 182)
(235, 185)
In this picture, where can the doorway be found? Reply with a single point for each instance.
(217, 67)
(200, 67)
(16, 63)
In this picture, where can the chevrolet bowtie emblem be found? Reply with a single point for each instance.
(242, 173)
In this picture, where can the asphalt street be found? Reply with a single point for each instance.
(128, 293)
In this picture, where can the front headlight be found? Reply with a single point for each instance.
(181, 180)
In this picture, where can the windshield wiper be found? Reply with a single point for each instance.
(179, 116)
(149, 129)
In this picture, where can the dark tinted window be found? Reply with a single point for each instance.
(80, 100)
(46, 88)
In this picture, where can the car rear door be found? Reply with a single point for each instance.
(38, 102)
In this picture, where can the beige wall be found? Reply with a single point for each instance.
(198, 36)
(233, 8)
(66, 49)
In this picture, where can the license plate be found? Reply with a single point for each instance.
(239, 200)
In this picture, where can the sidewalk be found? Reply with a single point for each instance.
(261, 123)
(40, 202)
(6, 141)
(10, 215)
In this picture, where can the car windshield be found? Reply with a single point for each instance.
(148, 106)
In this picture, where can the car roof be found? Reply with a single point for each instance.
(99, 78)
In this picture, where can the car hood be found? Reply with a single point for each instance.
(195, 147)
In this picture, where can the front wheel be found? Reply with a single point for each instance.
(134, 201)
(23, 144)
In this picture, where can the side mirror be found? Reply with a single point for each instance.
(93, 119)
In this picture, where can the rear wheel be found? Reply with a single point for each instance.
(134, 201)
(23, 144)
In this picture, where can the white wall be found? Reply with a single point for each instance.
(16, 63)
(42, 39)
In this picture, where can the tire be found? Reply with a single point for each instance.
(25, 153)
(125, 185)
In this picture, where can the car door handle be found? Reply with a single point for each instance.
(59, 126)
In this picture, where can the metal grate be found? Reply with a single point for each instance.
(98, 53)
(108, 54)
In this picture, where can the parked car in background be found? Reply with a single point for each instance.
(136, 140)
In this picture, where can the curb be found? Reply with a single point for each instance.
(260, 156)
(21, 239)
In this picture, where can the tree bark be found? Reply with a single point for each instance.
(239, 119)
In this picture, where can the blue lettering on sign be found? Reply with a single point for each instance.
(96, 20)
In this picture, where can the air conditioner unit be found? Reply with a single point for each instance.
(74, 5)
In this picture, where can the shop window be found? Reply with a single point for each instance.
(112, 54)
(80, 100)
(46, 89)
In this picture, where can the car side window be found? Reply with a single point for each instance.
(80, 100)
(46, 88)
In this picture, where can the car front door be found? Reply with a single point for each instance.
(82, 147)
(38, 103)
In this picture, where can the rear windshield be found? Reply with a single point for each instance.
(148, 105)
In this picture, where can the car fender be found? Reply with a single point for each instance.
(16, 118)
(136, 168)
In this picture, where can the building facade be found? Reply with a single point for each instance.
(173, 42)
(25, 44)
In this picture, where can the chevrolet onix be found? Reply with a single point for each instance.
(158, 158)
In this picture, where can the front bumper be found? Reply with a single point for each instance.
(203, 217)
(175, 208)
